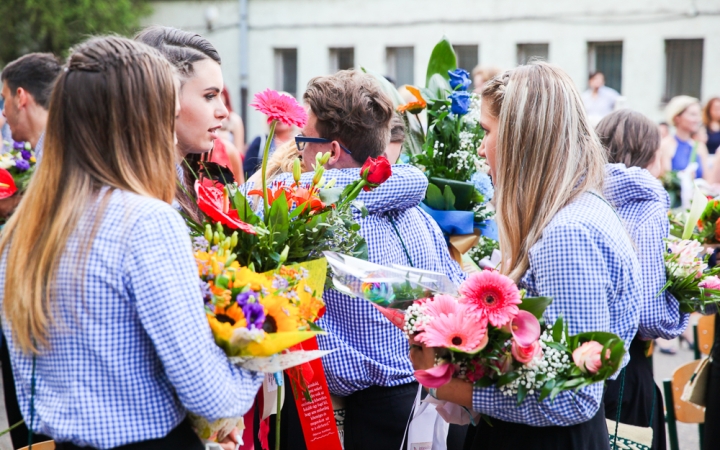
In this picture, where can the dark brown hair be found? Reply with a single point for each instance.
(706, 111)
(34, 72)
(397, 130)
(629, 138)
(351, 108)
(182, 49)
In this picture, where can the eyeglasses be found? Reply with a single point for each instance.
(301, 141)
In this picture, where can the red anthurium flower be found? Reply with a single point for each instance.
(375, 171)
(7, 184)
(213, 202)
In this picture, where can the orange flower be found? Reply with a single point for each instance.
(308, 197)
(717, 230)
(416, 106)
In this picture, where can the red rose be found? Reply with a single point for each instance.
(375, 171)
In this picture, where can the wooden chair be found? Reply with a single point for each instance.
(47, 445)
(704, 335)
(677, 410)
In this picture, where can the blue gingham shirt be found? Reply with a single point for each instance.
(643, 204)
(586, 263)
(369, 349)
(131, 357)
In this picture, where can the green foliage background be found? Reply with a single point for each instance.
(56, 25)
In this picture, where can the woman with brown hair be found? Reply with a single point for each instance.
(559, 238)
(632, 142)
(202, 110)
(101, 306)
(711, 120)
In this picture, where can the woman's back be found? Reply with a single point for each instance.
(131, 353)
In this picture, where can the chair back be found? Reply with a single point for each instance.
(47, 445)
(705, 334)
(684, 411)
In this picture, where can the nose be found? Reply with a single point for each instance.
(481, 150)
(222, 113)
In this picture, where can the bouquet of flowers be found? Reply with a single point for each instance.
(459, 187)
(20, 162)
(688, 278)
(488, 334)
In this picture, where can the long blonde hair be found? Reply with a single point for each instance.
(547, 154)
(110, 123)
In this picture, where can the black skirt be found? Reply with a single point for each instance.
(590, 435)
(712, 409)
(642, 402)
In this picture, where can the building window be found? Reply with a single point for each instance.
(606, 57)
(286, 70)
(683, 67)
(401, 65)
(341, 59)
(528, 52)
(467, 56)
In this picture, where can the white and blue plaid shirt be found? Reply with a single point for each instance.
(371, 351)
(586, 262)
(129, 357)
(643, 204)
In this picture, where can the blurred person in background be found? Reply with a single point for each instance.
(393, 152)
(254, 153)
(711, 120)
(26, 86)
(481, 75)
(683, 112)
(599, 99)
(233, 129)
(635, 161)
(664, 130)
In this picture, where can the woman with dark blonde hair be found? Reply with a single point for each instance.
(101, 307)
(559, 238)
(632, 142)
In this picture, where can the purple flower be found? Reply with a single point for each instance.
(254, 314)
(280, 283)
(22, 165)
(18, 145)
(243, 298)
(26, 155)
(205, 290)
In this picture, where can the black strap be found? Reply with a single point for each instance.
(407, 253)
(619, 407)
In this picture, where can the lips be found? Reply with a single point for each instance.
(213, 131)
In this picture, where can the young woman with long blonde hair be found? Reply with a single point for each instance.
(559, 238)
(101, 306)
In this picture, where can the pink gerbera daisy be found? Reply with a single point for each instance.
(281, 107)
(443, 304)
(462, 331)
(492, 295)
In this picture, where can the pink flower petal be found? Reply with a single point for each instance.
(435, 377)
(525, 328)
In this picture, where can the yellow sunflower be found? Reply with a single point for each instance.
(280, 314)
(224, 323)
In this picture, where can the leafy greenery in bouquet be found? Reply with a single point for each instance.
(459, 188)
(19, 161)
(487, 332)
(708, 226)
(671, 183)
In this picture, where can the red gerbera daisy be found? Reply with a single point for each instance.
(493, 295)
(280, 107)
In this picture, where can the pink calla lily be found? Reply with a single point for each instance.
(525, 328)
(435, 377)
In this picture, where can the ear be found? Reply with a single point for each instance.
(22, 97)
(335, 154)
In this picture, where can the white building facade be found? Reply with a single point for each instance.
(650, 50)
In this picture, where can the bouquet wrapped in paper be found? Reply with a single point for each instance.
(490, 333)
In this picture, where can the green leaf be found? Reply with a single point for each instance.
(449, 199)
(507, 378)
(535, 305)
(439, 88)
(463, 191)
(442, 59)
(386, 86)
(557, 330)
(278, 220)
(522, 392)
(434, 197)
(546, 389)
(484, 382)
(330, 196)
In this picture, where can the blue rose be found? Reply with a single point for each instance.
(459, 79)
(460, 102)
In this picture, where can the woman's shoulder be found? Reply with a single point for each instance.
(128, 207)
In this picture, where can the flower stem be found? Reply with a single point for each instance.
(266, 152)
(277, 416)
(353, 194)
